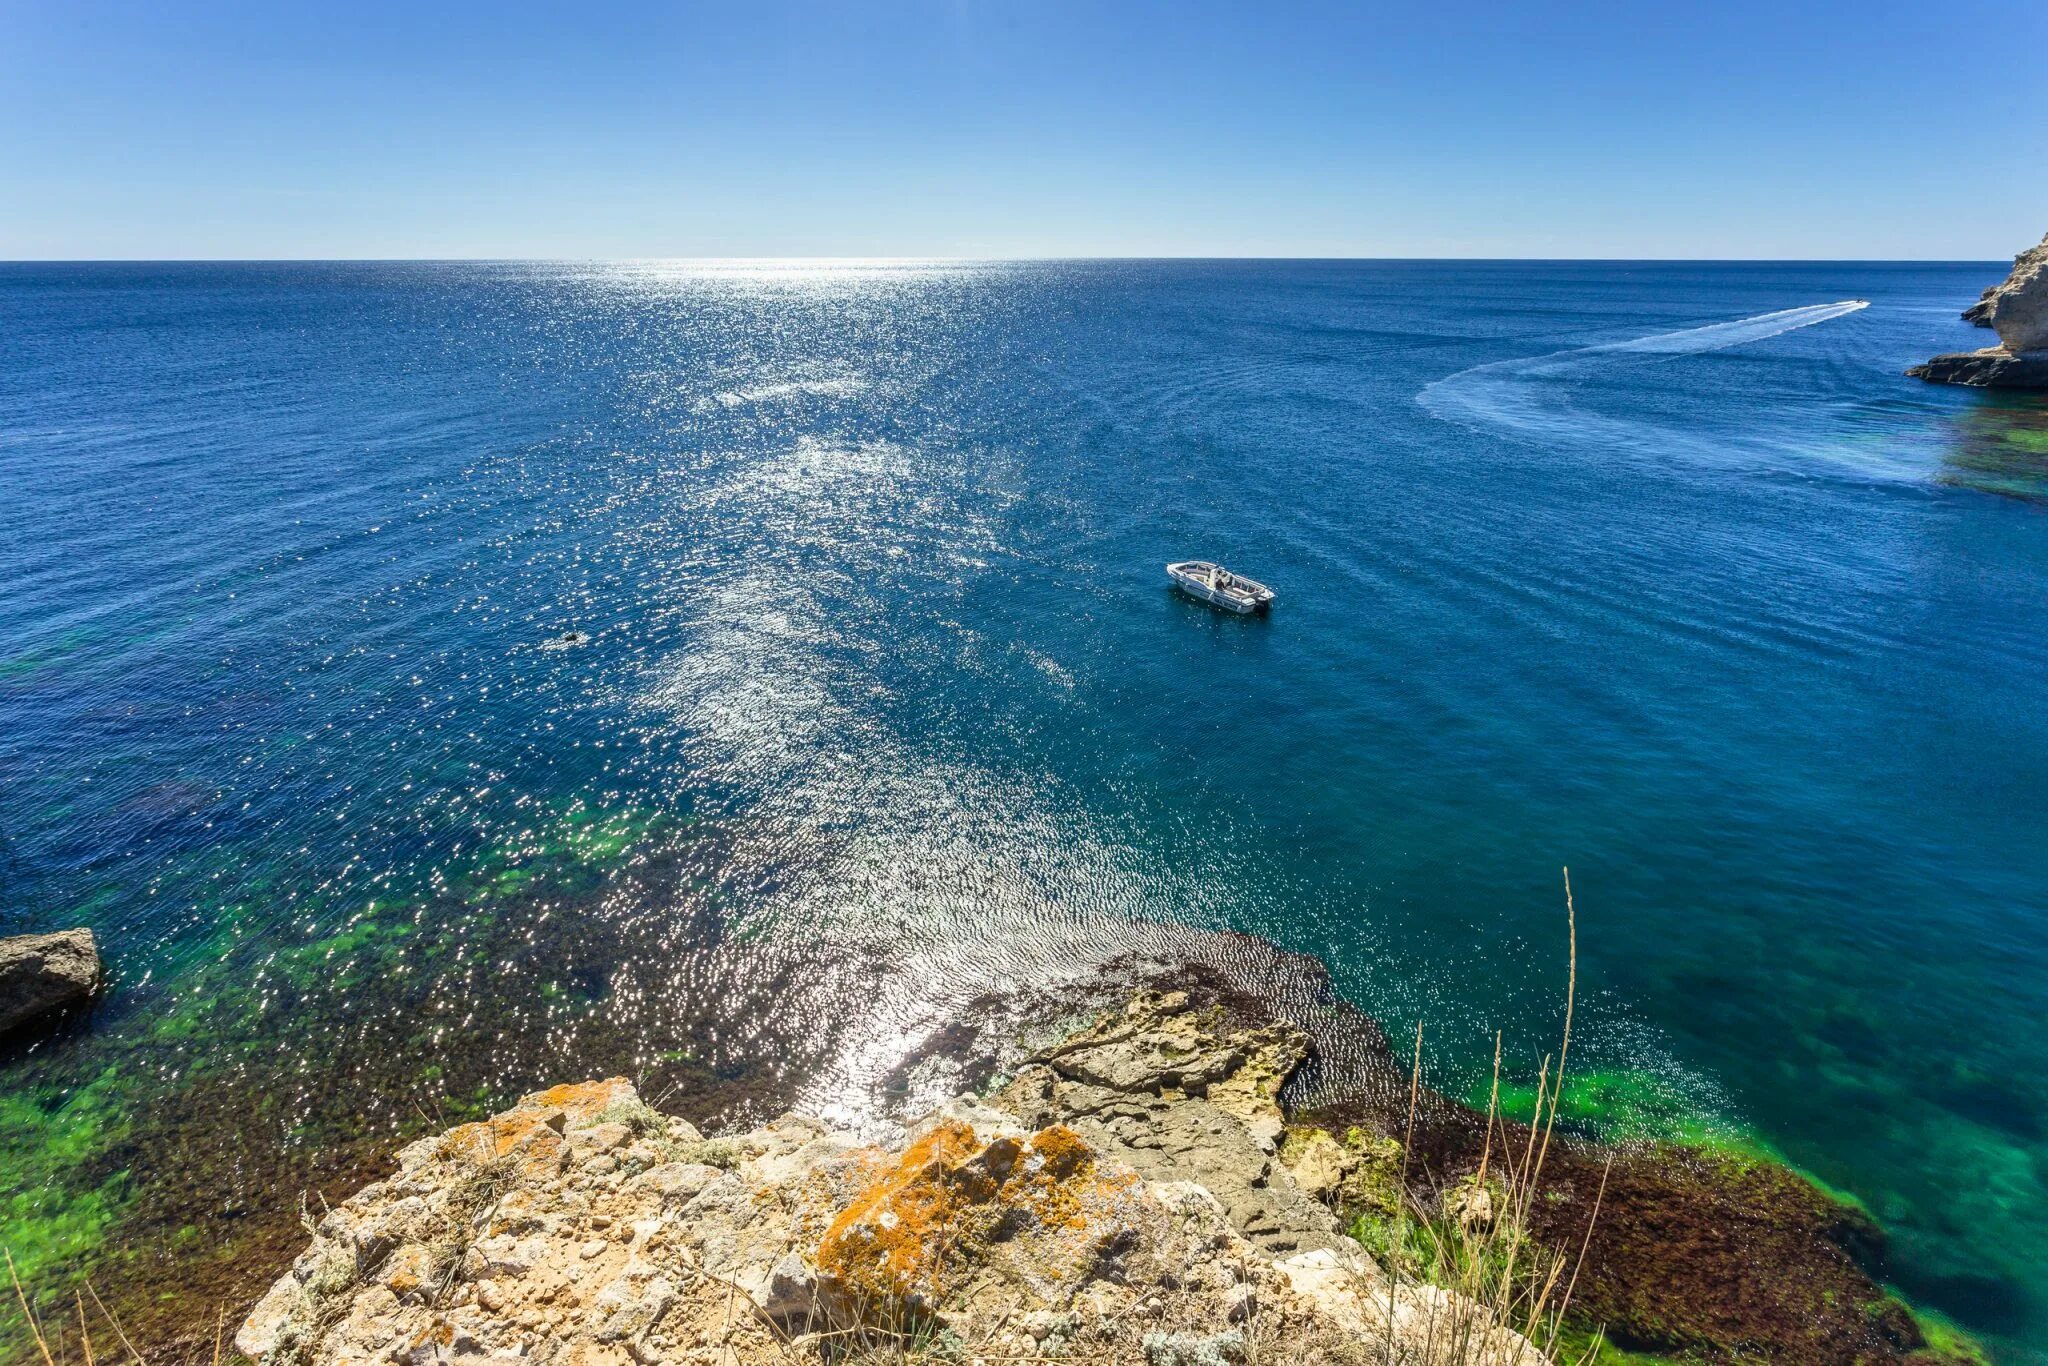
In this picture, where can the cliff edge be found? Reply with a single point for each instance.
(1120, 1200)
(1224, 1163)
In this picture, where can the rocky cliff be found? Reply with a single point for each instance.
(1184, 1178)
(1122, 1200)
(2017, 310)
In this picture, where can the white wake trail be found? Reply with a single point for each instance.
(1531, 393)
(1715, 336)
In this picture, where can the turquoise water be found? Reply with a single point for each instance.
(884, 698)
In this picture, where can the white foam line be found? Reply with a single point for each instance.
(1714, 336)
(1486, 391)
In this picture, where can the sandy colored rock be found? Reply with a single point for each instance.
(2017, 309)
(40, 973)
(1121, 1202)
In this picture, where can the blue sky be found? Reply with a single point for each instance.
(1731, 129)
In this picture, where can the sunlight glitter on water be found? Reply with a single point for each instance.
(878, 696)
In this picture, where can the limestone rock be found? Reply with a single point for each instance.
(1121, 1202)
(41, 972)
(2016, 309)
(1319, 1163)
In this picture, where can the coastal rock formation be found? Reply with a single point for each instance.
(1993, 367)
(1118, 1201)
(2027, 264)
(2017, 309)
(1185, 1178)
(40, 973)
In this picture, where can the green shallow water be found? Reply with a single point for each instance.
(884, 700)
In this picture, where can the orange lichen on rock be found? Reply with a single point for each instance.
(952, 1203)
(551, 1110)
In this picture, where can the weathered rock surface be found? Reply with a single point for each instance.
(40, 973)
(1994, 367)
(1120, 1200)
(1173, 1182)
(2017, 309)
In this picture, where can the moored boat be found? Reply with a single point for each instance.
(1217, 586)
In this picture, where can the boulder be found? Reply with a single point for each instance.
(41, 972)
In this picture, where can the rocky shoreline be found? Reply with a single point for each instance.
(2017, 309)
(1197, 1161)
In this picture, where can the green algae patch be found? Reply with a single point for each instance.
(1583, 1346)
(1947, 1343)
(2001, 449)
(1612, 1104)
(55, 1149)
(1736, 1155)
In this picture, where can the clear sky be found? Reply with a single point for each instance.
(1800, 128)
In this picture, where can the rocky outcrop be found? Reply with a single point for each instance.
(2025, 267)
(41, 973)
(1120, 1199)
(2017, 309)
(1177, 1181)
(1993, 367)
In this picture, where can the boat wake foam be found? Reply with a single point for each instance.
(1526, 393)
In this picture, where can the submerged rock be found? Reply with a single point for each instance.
(2017, 309)
(40, 973)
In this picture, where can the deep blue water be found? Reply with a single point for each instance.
(1741, 624)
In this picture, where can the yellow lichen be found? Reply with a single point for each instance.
(914, 1232)
(537, 1119)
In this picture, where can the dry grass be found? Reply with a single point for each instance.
(54, 1344)
(1473, 1238)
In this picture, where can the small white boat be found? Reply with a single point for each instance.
(1214, 584)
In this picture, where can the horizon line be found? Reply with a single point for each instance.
(978, 260)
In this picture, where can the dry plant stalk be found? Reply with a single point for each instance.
(21, 1296)
(1477, 1244)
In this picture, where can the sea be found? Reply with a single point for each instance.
(434, 681)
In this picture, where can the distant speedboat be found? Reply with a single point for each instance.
(1217, 586)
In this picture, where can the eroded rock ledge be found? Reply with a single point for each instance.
(2017, 309)
(1171, 1184)
(1121, 1198)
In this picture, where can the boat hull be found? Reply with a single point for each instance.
(1198, 579)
